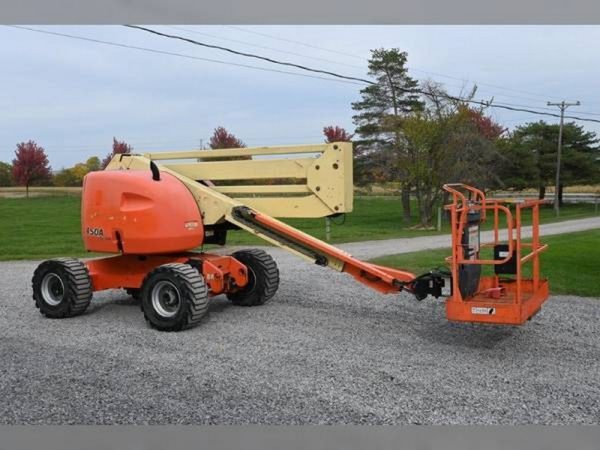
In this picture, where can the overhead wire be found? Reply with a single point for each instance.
(427, 72)
(249, 55)
(182, 55)
(237, 41)
(329, 61)
(336, 76)
(486, 104)
(294, 42)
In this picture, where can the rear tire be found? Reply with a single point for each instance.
(62, 287)
(263, 278)
(174, 297)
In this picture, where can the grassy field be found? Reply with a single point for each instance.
(38, 191)
(570, 263)
(49, 226)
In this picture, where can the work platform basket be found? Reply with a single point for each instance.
(506, 288)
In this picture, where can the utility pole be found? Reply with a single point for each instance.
(562, 106)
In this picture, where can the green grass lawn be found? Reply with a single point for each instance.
(380, 217)
(44, 227)
(570, 263)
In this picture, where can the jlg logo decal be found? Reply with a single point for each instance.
(96, 232)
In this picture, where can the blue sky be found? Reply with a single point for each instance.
(73, 96)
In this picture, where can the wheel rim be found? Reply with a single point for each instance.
(166, 299)
(53, 289)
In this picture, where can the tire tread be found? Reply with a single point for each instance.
(268, 272)
(79, 287)
(195, 295)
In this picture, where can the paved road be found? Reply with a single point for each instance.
(324, 350)
(374, 249)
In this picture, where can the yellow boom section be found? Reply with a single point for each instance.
(297, 181)
(293, 181)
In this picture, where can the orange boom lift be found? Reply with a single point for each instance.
(154, 211)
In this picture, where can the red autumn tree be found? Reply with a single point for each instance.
(336, 134)
(221, 139)
(484, 124)
(30, 165)
(118, 148)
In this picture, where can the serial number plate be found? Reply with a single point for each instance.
(484, 311)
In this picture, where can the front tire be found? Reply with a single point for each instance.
(62, 287)
(263, 278)
(174, 297)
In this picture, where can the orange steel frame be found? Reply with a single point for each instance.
(221, 273)
(226, 274)
(497, 300)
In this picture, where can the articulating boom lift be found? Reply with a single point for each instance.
(153, 209)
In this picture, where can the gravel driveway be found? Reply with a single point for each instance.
(324, 350)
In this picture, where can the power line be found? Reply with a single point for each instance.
(491, 105)
(294, 42)
(585, 113)
(525, 106)
(530, 95)
(361, 80)
(261, 68)
(475, 83)
(249, 55)
(264, 47)
(337, 77)
(483, 89)
(187, 30)
(182, 55)
(427, 72)
(588, 113)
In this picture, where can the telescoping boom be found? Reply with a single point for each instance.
(153, 210)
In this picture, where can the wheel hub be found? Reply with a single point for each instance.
(53, 289)
(166, 299)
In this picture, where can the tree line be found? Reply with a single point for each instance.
(408, 132)
(31, 167)
(419, 136)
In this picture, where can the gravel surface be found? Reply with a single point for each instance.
(325, 350)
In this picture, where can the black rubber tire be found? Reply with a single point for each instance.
(263, 278)
(192, 297)
(134, 293)
(75, 284)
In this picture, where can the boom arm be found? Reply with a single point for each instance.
(327, 190)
